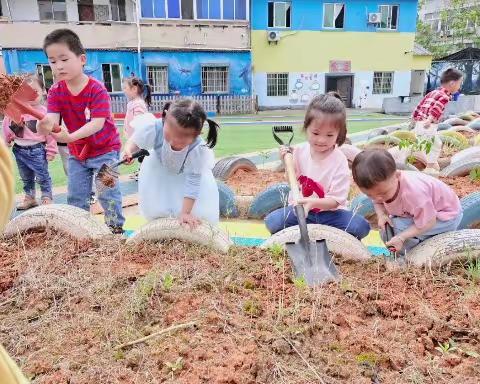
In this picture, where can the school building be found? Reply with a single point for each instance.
(182, 47)
(363, 49)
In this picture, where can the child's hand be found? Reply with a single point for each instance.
(188, 220)
(50, 157)
(284, 150)
(44, 126)
(396, 242)
(308, 203)
(63, 136)
(127, 155)
(383, 220)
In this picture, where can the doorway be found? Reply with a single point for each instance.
(343, 85)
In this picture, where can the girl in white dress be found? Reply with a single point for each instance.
(176, 180)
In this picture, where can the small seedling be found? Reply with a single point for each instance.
(418, 146)
(473, 270)
(475, 174)
(167, 282)
(278, 255)
(448, 346)
(300, 283)
(144, 290)
(264, 155)
(175, 366)
(367, 358)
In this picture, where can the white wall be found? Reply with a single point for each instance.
(314, 83)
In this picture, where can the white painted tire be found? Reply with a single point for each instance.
(445, 248)
(63, 218)
(168, 228)
(460, 168)
(339, 242)
(462, 129)
(385, 140)
(350, 151)
(469, 153)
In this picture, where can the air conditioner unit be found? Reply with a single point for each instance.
(273, 36)
(374, 18)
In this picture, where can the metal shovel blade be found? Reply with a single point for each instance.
(312, 261)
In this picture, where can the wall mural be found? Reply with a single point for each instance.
(305, 87)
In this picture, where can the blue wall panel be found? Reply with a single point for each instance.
(308, 15)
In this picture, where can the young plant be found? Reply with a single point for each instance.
(175, 366)
(167, 282)
(473, 270)
(300, 283)
(448, 346)
(424, 145)
(475, 174)
(264, 155)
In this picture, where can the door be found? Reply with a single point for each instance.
(343, 85)
(417, 83)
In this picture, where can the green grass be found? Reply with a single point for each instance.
(233, 140)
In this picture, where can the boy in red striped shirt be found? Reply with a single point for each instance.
(429, 111)
(91, 135)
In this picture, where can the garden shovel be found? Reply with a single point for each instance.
(311, 260)
(108, 174)
(389, 234)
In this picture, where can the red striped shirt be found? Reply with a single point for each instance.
(432, 105)
(76, 111)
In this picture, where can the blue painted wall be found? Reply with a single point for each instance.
(307, 15)
(184, 68)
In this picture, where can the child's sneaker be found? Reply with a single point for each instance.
(46, 200)
(27, 203)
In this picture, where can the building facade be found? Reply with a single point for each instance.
(181, 47)
(363, 49)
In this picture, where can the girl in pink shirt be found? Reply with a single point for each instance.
(32, 151)
(134, 88)
(322, 171)
(416, 205)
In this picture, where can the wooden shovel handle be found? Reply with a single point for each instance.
(292, 177)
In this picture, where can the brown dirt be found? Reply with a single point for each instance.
(65, 306)
(462, 185)
(251, 183)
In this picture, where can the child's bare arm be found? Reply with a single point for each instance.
(382, 216)
(186, 217)
(92, 127)
(128, 149)
(398, 240)
(45, 126)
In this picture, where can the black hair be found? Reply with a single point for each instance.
(166, 107)
(451, 74)
(67, 37)
(141, 88)
(190, 114)
(372, 166)
(329, 104)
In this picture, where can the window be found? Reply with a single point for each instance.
(158, 78)
(112, 77)
(118, 12)
(333, 15)
(52, 10)
(209, 9)
(44, 72)
(382, 83)
(86, 11)
(279, 14)
(215, 79)
(187, 9)
(389, 18)
(277, 84)
(161, 9)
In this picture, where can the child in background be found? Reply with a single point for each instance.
(322, 171)
(416, 205)
(429, 111)
(84, 105)
(134, 88)
(176, 179)
(32, 151)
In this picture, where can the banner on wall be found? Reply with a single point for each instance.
(340, 66)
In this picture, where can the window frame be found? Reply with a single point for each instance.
(382, 85)
(324, 14)
(117, 6)
(275, 26)
(156, 66)
(51, 7)
(389, 18)
(111, 77)
(277, 88)
(215, 65)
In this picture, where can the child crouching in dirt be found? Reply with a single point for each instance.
(176, 179)
(416, 205)
(322, 171)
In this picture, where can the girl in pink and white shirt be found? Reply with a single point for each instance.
(322, 172)
(416, 205)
